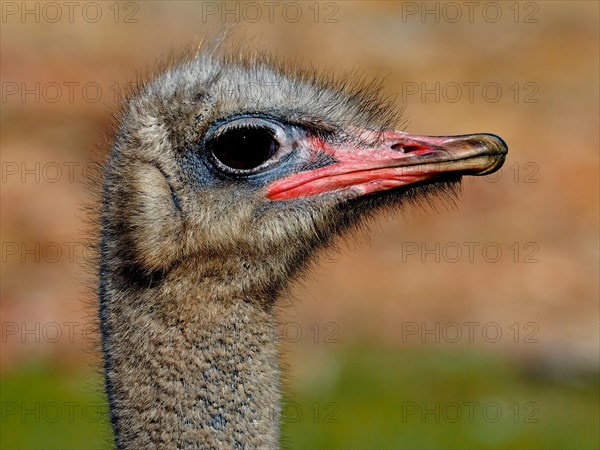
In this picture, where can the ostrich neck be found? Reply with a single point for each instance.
(184, 370)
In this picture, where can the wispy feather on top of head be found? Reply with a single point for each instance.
(222, 70)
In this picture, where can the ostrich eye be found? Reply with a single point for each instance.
(243, 148)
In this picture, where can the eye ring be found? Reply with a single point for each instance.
(245, 146)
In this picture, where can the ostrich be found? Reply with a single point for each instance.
(227, 172)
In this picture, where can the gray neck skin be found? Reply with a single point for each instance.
(185, 371)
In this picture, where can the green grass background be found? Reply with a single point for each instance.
(376, 401)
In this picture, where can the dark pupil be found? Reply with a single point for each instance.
(244, 148)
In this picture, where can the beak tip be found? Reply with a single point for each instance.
(496, 150)
(497, 144)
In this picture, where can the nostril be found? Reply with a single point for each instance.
(407, 148)
(413, 148)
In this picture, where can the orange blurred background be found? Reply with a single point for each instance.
(519, 254)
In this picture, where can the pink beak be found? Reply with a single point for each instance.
(395, 160)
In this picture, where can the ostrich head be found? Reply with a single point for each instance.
(261, 163)
(226, 174)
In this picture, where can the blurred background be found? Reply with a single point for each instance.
(467, 327)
